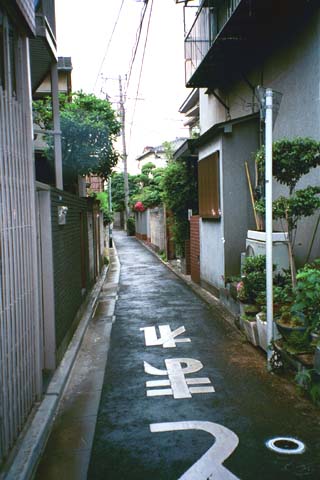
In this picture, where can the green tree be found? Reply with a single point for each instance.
(89, 127)
(180, 193)
(104, 205)
(117, 188)
(292, 159)
(150, 193)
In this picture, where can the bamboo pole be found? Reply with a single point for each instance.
(252, 197)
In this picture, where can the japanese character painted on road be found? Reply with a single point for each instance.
(210, 464)
(176, 370)
(167, 337)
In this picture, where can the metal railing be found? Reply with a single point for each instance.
(18, 289)
(210, 19)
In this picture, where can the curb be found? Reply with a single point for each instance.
(31, 447)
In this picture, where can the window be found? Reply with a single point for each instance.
(209, 187)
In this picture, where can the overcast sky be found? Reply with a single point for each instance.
(83, 31)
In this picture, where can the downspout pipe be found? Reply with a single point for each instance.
(268, 219)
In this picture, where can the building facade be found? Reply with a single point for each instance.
(231, 47)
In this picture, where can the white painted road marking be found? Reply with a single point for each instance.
(167, 337)
(176, 370)
(209, 466)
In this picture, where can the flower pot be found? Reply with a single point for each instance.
(251, 331)
(262, 331)
(287, 330)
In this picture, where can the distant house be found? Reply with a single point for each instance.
(157, 154)
(231, 47)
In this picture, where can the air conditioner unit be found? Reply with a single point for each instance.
(256, 245)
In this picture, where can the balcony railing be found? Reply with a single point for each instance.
(211, 18)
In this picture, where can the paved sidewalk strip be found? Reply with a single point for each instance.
(67, 453)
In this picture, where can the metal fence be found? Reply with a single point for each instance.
(19, 334)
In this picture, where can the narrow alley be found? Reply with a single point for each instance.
(214, 375)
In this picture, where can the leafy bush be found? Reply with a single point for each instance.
(180, 193)
(292, 159)
(307, 294)
(131, 226)
(253, 282)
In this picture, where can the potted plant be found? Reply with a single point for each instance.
(251, 286)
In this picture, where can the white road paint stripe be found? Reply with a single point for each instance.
(210, 464)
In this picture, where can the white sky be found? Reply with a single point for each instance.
(83, 31)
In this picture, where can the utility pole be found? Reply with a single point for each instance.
(124, 155)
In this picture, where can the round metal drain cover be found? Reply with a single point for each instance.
(286, 445)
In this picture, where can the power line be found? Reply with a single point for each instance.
(109, 42)
(138, 35)
(140, 74)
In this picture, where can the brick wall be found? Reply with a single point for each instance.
(195, 248)
(67, 262)
(187, 254)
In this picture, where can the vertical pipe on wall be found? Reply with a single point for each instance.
(268, 186)
(56, 126)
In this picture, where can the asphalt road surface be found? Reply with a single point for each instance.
(207, 391)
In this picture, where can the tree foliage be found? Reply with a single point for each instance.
(150, 181)
(104, 206)
(89, 127)
(117, 188)
(180, 193)
(291, 159)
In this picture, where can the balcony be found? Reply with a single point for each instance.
(229, 36)
(43, 48)
(209, 21)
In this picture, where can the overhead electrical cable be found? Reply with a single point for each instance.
(141, 68)
(109, 43)
(135, 49)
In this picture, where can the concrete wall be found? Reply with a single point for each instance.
(158, 228)
(294, 70)
(141, 219)
(212, 232)
(195, 248)
(238, 147)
